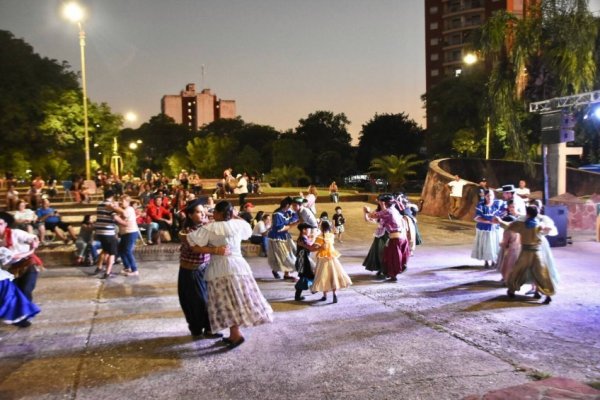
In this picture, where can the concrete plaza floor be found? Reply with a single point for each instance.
(446, 330)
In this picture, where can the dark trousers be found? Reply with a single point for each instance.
(193, 298)
(26, 282)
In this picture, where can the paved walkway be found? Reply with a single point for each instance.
(445, 331)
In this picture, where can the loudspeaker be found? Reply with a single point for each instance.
(560, 216)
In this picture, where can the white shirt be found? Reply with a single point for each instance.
(25, 215)
(523, 191)
(259, 229)
(456, 187)
(242, 186)
(21, 241)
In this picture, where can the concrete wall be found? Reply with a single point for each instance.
(435, 194)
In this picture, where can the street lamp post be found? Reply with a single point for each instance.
(75, 13)
(471, 59)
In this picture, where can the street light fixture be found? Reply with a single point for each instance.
(76, 14)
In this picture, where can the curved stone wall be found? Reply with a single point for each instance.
(435, 194)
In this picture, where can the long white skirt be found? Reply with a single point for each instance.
(487, 244)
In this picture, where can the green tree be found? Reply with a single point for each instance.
(465, 142)
(396, 169)
(554, 44)
(161, 137)
(388, 133)
(248, 160)
(453, 104)
(211, 155)
(324, 131)
(286, 176)
(292, 152)
(330, 165)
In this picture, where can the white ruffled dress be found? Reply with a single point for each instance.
(233, 295)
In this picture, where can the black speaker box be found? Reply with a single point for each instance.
(560, 216)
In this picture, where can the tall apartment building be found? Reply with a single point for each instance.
(196, 109)
(448, 27)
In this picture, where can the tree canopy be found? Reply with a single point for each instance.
(388, 134)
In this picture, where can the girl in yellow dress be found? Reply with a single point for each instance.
(330, 274)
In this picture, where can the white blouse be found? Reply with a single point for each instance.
(223, 233)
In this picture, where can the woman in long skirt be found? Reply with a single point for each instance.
(234, 299)
(487, 230)
(397, 250)
(374, 260)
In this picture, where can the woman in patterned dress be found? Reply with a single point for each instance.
(234, 299)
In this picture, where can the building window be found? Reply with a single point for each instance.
(433, 10)
(434, 57)
(434, 41)
(433, 25)
(434, 72)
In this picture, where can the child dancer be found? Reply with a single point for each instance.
(304, 264)
(330, 273)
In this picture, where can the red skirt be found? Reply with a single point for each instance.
(395, 256)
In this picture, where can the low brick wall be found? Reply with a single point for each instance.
(64, 255)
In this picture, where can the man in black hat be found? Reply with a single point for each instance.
(508, 193)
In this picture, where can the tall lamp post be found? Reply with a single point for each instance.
(76, 14)
(470, 59)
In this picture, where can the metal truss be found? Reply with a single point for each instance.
(567, 102)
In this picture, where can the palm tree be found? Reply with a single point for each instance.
(548, 53)
(287, 176)
(395, 169)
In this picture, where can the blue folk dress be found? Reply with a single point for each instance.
(488, 236)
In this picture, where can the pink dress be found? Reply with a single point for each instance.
(510, 247)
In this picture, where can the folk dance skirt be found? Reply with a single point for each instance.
(14, 306)
(487, 244)
(330, 275)
(530, 268)
(281, 255)
(374, 259)
(395, 256)
(236, 300)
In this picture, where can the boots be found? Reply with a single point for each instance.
(298, 296)
(334, 298)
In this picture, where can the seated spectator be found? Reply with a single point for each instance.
(85, 243)
(260, 232)
(36, 191)
(144, 222)
(53, 222)
(12, 197)
(51, 190)
(196, 183)
(246, 213)
(160, 214)
(25, 218)
(78, 190)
